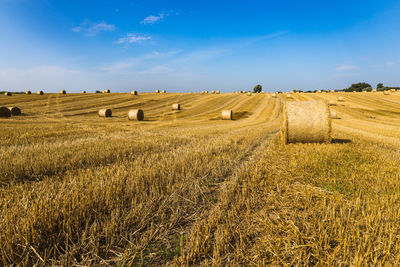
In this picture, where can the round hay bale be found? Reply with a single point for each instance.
(134, 93)
(157, 91)
(15, 111)
(105, 112)
(305, 122)
(40, 92)
(106, 91)
(289, 96)
(227, 114)
(176, 107)
(28, 92)
(392, 90)
(332, 91)
(273, 95)
(163, 92)
(83, 92)
(331, 103)
(8, 93)
(63, 92)
(340, 98)
(386, 93)
(319, 91)
(217, 92)
(206, 92)
(136, 115)
(5, 112)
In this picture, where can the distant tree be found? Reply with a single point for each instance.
(358, 87)
(257, 88)
(380, 87)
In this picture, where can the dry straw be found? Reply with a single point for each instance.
(105, 112)
(15, 111)
(227, 114)
(136, 115)
(305, 122)
(5, 112)
(176, 107)
(217, 92)
(40, 92)
(340, 98)
(134, 93)
(273, 95)
(163, 91)
(28, 92)
(63, 92)
(157, 91)
(8, 93)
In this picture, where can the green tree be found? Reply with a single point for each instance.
(257, 88)
(358, 87)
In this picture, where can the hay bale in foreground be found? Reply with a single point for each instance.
(106, 91)
(340, 99)
(217, 92)
(105, 112)
(63, 92)
(134, 93)
(227, 114)
(8, 94)
(15, 111)
(176, 107)
(305, 122)
(40, 92)
(28, 92)
(136, 115)
(5, 112)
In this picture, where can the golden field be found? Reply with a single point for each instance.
(187, 188)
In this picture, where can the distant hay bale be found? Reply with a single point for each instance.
(40, 92)
(319, 91)
(273, 95)
(289, 96)
(354, 91)
(334, 114)
(63, 92)
(386, 93)
(136, 115)
(106, 91)
(163, 91)
(28, 92)
(134, 93)
(15, 111)
(5, 112)
(176, 107)
(340, 99)
(83, 92)
(217, 92)
(331, 103)
(8, 93)
(105, 112)
(305, 122)
(227, 114)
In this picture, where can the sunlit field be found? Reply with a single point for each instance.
(188, 188)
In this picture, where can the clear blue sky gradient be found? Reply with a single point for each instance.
(188, 46)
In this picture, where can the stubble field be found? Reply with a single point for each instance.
(187, 188)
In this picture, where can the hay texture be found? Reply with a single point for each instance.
(331, 103)
(386, 93)
(340, 99)
(273, 95)
(8, 94)
(105, 112)
(135, 115)
(5, 112)
(40, 92)
(227, 114)
(63, 92)
(15, 111)
(217, 92)
(163, 91)
(176, 107)
(289, 96)
(28, 92)
(134, 93)
(305, 122)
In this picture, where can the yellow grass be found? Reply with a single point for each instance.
(187, 188)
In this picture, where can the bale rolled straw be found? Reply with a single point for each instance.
(136, 115)
(5, 112)
(212, 92)
(373, 90)
(28, 92)
(249, 94)
(163, 91)
(340, 98)
(40, 92)
(105, 112)
(331, 103)
(15, 111)
(83, 92)
(8, 93)
(386, 92)
(334, 114)
(176, 107)
(289, 96)
(63, 92)
(227, 114)
(273, 95)
(106, 91)
(305, 122)
(134, 93)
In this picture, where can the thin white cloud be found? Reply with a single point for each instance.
(93, 29)
(389, 63)
(131, 38)
(153, 19)
(347, 67)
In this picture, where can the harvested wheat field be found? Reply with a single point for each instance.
(184, 187)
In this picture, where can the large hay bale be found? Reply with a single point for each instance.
(8, 94)
(340, 99)
(217, 92)
(305, 122)
(28, 92)
(5, 112)
(106, 91)
(136, 114)
(227, 114)
(106, 112)
(15, 111)
(176, 107)
(63, 92)
(40, 92)
(83, 92)
(273, 95)
(134, 93)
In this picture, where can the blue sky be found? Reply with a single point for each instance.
(197, 45)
